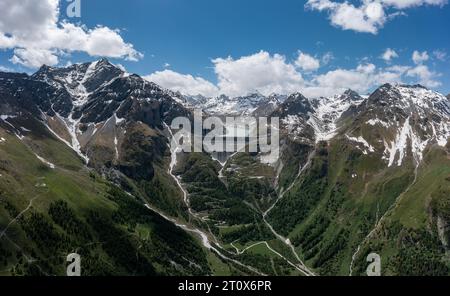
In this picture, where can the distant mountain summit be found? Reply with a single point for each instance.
(402, 120)
(252, 104)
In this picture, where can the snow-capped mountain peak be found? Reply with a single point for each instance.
(327, 112)
(225, 105)
(400, 95)
(407, 119)
(80, 80)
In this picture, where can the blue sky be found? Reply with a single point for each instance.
(188, 35)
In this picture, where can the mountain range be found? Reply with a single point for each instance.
(86, 167)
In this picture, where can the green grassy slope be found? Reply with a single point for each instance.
(46, 213)
(409, 239)
(338, 201)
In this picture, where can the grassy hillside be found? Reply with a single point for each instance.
(413, 239)
(53, 206)
(343, 195)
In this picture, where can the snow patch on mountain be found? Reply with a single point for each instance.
(16, 131)
(398, 148)
(423, 99)
(46, 162)
(428, 103)
(291, 119)
(441, 133)
(237, 106)
(116, 142)
(71, 126)
(295, 126)
(322, 132)
(80, 92)
(6, 117)
(328, 111)
(362, 141)
(377, 121)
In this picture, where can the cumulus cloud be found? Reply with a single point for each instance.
(425, 76)
(258, 72)
(420, 57)
(306, 62)
(34, 31)
(367, 17)
(267, 74)
(186, 84)
(360, 79)
(389, 54)
(34, 57)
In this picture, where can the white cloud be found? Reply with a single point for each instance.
(341, 79)
(370, 16)
(306, 62)
(258, 72)
(389, 54)
(4, 69)
(121, 67)
(34, 30)
(367, 18)
(328, 57)
(360, 79)
(402, 4)
(398, 69)
(267, 74)
(34, 57)
(420, 57)
(425, 76)
(186, 84)
(440, 55)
